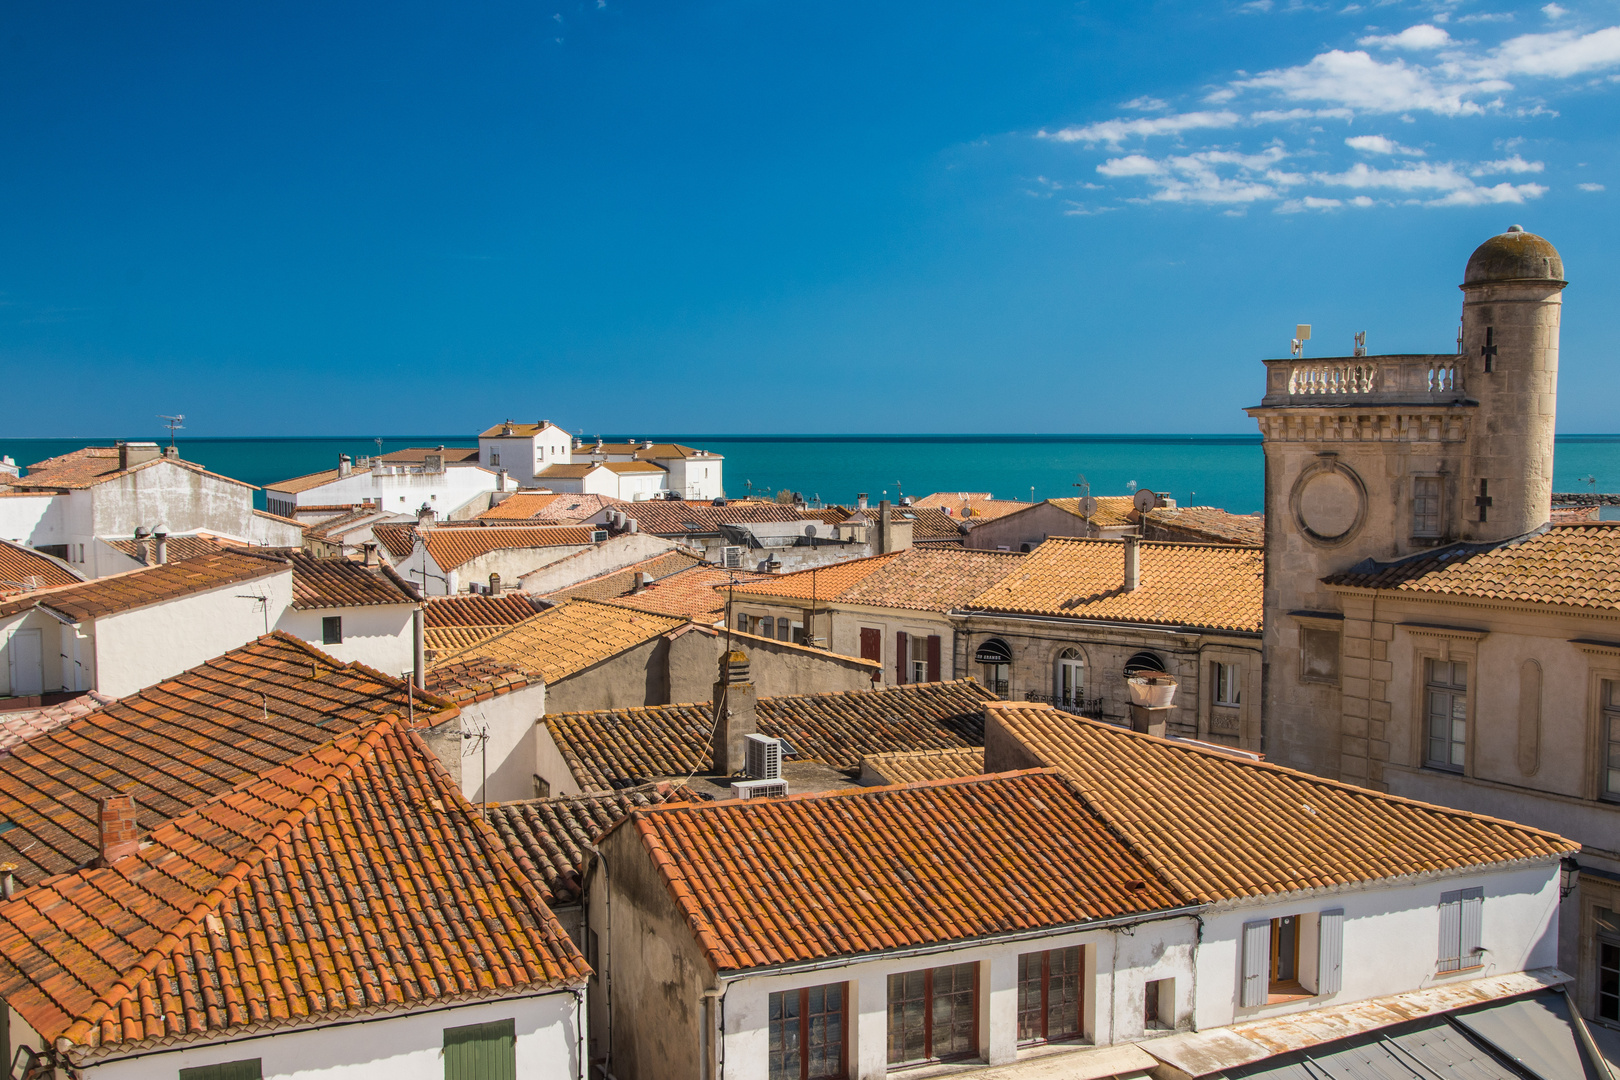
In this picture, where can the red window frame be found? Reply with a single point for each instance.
(1045, 1035)
(803, 994)
(928, 1018)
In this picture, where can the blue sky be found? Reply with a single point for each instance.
(774, 216)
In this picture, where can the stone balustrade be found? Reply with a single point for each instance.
(1426, 379)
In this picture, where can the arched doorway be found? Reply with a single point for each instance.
(995, 657)
(1069, 689)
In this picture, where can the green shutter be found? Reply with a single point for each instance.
(480, 1052)
(226, 1070)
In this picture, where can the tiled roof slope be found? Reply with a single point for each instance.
(1208, 585)
(330, 583)
(23, 569)
(546, 504)
(618, 582)
(822, 583)
(155, 584)
(1210, 523)
(1576, 565)
(631, 467)
(416, 455)
(838, 729)
(915, 766)
(353, 878)
(980, 503)
(550, 838)
(931, 523)
(470, 610)
(664, 518)
(182, 742)
(20, 725)
(176, 548)
(1112, 510)
(1222, 827)
(92, 465)
(398, 538)
(925, 579)
(565, 640)
(773, 881)
(440, 641)
(698, 593)
(456, 546)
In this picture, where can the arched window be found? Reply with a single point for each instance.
(1070, 688)
(996, 657)
(1143, 661)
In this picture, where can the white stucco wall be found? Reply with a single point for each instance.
(378, 636)
(512, 748)
(169, 495)
(399, 490)
(695, 478)
(392, 1047)
(134, 649)
(32, 519)
(1391, 939)
(614, 553)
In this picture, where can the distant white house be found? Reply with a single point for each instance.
(63, 506)
(632, 481)
(524, 451)
(688, 472)
(447, 480)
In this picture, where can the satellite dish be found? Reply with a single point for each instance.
(810, 530)
(1088, 506)
(1145, 500)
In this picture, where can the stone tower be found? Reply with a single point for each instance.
(1380, 457)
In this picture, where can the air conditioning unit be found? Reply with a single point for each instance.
(733, 556)
(764, 757)
(760, 789)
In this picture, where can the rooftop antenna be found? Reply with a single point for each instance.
(1130, 485)
(174, 425)
(1459, 339)
(1088, 505)
(378, 441)
(1361, 343)
(1302, 334)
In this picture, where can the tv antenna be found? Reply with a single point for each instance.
(1302, 334)
(174, 425)
(378, 441)
(1361, 343)
(1088, 505)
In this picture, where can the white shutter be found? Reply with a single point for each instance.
(1450, 931)
(1330, 952)
(1473, 910)
(1256, 964)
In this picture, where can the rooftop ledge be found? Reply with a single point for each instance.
(1401, 379)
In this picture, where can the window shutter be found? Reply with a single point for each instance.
(1450, 931)
(1330, 952)
(1473, 910)
(900, 657)
(933, 658)
(1256, 964)
(481, 1052)
(871, 643)
(227, 1070)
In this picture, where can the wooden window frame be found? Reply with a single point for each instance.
(1608, 736)
(329, 624)
(803, 993)
(1046, 1001)
(1277, 987)
(930, 1057)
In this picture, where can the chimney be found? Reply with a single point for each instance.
(425, 516)
(131, 454)
(1133, 563)
(160, 546)
(172, 453)
(120, 834)
(368, 554)
(734, 699)
(141, 534)
(860, 501)
(643, 580)
(883, 543)
(494, 584)
(345, 465)
(500, 480)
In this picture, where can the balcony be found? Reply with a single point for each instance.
(1077, 704)
(1415, 379)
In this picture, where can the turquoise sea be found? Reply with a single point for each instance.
(1215, 470)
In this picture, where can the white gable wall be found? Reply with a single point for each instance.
(377, 635)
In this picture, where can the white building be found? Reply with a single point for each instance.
(447, 480)
(65, 505)
(688, 472)
(631, 481)
(524, 451)
(353, 611)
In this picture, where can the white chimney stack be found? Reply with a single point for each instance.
(1133, 563)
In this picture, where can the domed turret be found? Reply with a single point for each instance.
(1514, 256)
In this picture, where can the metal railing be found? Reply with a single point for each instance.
(1078, 704)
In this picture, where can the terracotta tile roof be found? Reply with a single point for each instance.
(678, 518)
(930, 523)
(631, 467)
(982, 506)
(455, 546)
(338, 582)
(550, 838)
(176, 548)
(564, 640)
(94, 465)
(22, 569)
(398, 538)
(1208, 523)
(156, 584)
(416, 455)
(1221, 827)
(1112, 510)
(616, 583)
(915, 766)
(268, 516)
(438, 641)
(772, 881)
(564, 507)
(20, 725)
(1576, 565)
(298, 896)
(698, 593)
(1207, 585)
(930, 579)
(673, 450)
(510, 430)
(572, 471)
(823, 582)
(481, 611)
(182, 742)
(609, 748)
(473, 678)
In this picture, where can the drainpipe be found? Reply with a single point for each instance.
(419, 676)
(710, 1045)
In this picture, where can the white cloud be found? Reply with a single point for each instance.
(1457, 189)
(1309, 202)
(1208, 176)
(1362, 202)
(1274, 116)
(1487, 17)
(1378, 144)
(1590, 187)
(1559, 54)
(1118, 130)
(1355, 80)
(1130, 165)
(1420, 37)
(1553, 11)
(1482, 196)
(1146, 104)
(1514, 164)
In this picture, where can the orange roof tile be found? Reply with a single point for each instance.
(337, 582)
(561, 642)
(824, 582)
(572, 471)
(182, 742)
(20, 725)
(296, 484)
(398, 538)
(971, 505)
(1208, 524)
(1574, 565)
(565, 507)
(1221, 827)
(1207, 585)
(616, 583)
(550, 838)
(457, 545)
(295, 897)
(932, 579)
(440, 641)
(697, 593)
(679, 518)
(94, 465)
(1111, 511)
(624, 468)
(469, 610)
(154, 584)
(773, 881)
(915, 766)
(176, 548)
(416, 455)
(22, 569)
(612, 747)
